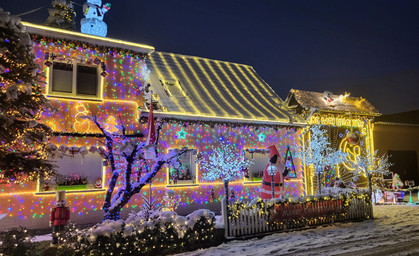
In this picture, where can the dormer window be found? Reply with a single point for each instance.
(173, 87)
(74, 80)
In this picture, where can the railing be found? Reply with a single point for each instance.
(242, 220)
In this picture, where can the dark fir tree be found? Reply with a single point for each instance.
(24, 145)
(61, 15)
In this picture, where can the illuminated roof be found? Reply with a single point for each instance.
(90, 39)
(212, 89)
(338, 103)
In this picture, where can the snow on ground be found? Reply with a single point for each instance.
(219, 221)
(394, 231)
(41, 238)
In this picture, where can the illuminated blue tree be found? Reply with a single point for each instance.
(224, 163)
(318, 153)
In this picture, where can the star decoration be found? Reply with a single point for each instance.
(181, 134)
(261, 137)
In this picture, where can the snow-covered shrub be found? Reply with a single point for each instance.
(162, 232)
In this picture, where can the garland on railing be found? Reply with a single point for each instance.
(266, 207)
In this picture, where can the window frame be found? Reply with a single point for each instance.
(194, 163)
(73, 94)
(256, 150)
(52, 190)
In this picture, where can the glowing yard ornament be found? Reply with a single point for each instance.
(352, 150)
(81, 124)
(111, 125)
(261, 137)
(181, 134)
(352, 138)
(328, 98)
(93, 23)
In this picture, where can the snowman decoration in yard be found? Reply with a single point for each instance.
(93, 23)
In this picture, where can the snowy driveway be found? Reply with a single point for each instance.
(394, 231)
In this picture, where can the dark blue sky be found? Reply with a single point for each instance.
(369, 48)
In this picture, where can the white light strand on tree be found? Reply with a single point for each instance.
(318, 152)
(369, 163)
(225, 163)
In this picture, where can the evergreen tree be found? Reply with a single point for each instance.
(62, 15)
(23, 144)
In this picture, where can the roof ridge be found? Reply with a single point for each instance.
(204, 58)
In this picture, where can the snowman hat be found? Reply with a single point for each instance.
(273, 154)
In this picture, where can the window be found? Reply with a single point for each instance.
(62, 77)
(260, 159)
(75, 173)
(74, 80)
(186, 173)
(87, 80)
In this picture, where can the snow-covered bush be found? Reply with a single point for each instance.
(162, 233)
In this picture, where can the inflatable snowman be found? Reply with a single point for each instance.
(93, 23)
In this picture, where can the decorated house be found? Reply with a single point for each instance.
(200, 104)
(348, 121)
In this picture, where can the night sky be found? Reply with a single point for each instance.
(369, 48)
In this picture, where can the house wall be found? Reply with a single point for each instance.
(21, 204)
(27, 205)
(392, 137)
(206, 136)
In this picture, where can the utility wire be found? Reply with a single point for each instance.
(37, 9)
(76, 3)
(34, 10)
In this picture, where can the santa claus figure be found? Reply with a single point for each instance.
(98, 183)
(60, 216)
(274, 163)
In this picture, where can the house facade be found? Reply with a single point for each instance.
(348, 121)
(200, 104)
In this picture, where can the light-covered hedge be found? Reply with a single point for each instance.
(160, 233)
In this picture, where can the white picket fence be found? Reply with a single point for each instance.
(250, 221)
